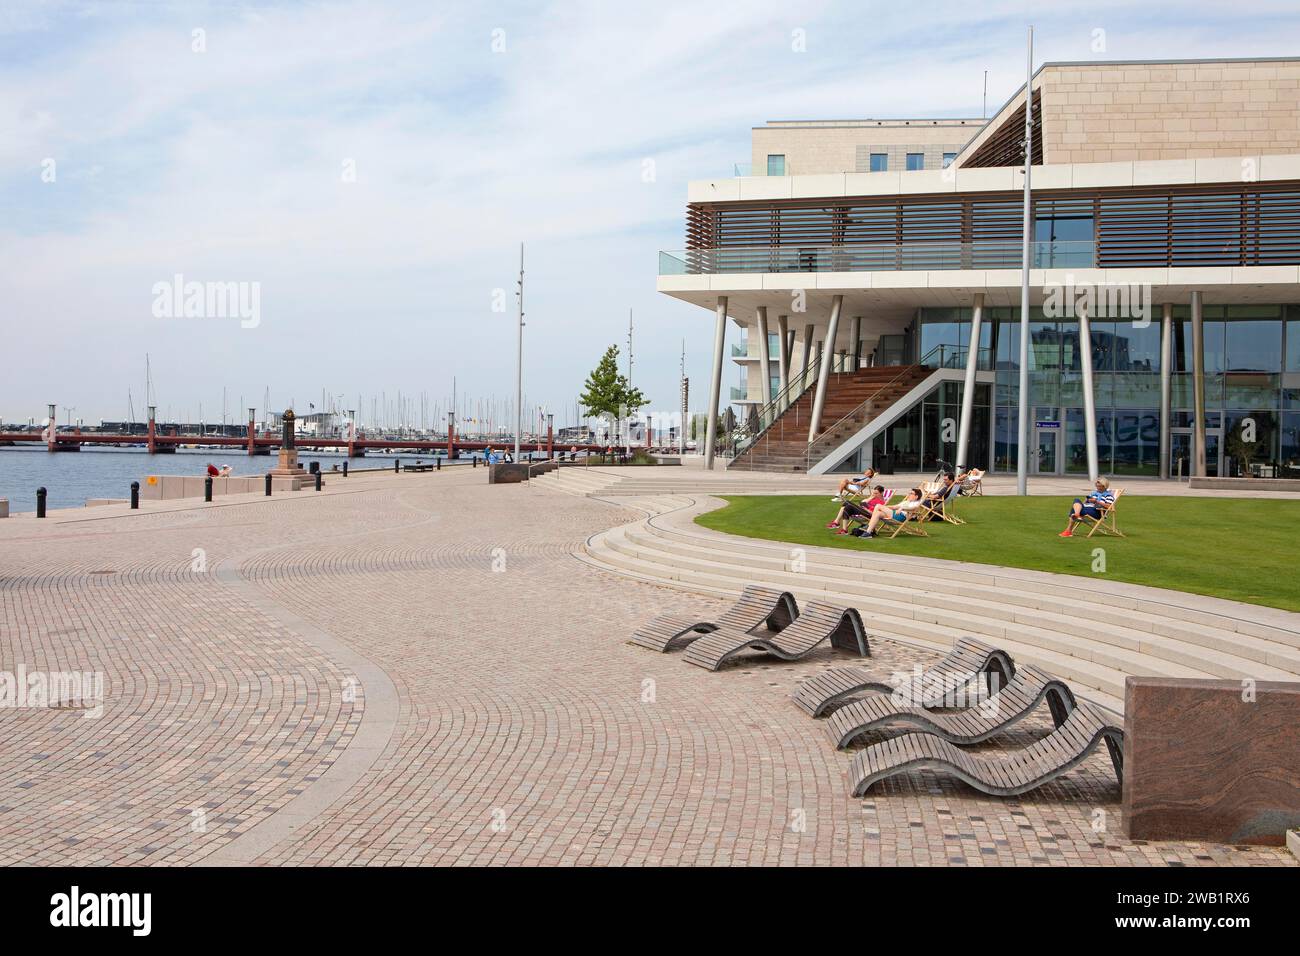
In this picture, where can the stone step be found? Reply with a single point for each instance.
(1098, 682)
(1246, 656)
(1210, 628)
(1116, 644)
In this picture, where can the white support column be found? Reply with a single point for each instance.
(824, 372)
(1166, 383)
(808, 346)
(782, 353)
(1198, 387)
(715, 388)
(764, 362)
(856, 350)
(968, 387)
(1089, 396)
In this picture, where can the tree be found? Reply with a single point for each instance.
(607, 392)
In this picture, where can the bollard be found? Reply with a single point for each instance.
(397, 465)
(135, 495)
(268, 484)
(473, 461)
(40, 502)
(437, 464)
(207, 488)
(318, 477)
(345, 469)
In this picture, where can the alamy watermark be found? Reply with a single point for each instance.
(57, 690)
(179, 299)
(1098, 300)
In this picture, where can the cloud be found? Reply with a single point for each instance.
(231, 165)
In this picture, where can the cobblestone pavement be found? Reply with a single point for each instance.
(526, 729)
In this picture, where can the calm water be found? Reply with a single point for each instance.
(70, 478)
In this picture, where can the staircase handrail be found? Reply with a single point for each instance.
(799, 383)
(927, 361)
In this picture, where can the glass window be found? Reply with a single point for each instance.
(776, 165)
(948, 158)
(1254, 345)
(1293, 340)
(1290, 458)
(879, 162)
(915, 161)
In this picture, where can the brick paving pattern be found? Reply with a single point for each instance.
(528, 731)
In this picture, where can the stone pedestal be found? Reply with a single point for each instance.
(1211, 760)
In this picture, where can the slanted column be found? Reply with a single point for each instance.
(715, 387)
(764, 362)
(1198, 387)
(824, 372)
(808, 347)
(1166, 384)
(968, 387)
(782, 353)
(857, 344)
(1089, 396)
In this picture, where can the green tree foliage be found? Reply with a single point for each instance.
(607, 391)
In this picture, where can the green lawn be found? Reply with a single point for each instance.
(1240, 549)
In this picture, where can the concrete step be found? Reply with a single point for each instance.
(1119, 646)
(1094, 643)
(1242, 655)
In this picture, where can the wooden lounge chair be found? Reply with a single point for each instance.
(759, 607)
(842, 626)
(913, 523)
(976, 479)
(994, 714)
(969, 659)
(1106, 523)
(1003, 776)
(937, 503)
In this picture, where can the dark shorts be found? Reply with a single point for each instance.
(1089, 511)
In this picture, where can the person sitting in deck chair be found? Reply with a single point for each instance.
(1093, 506)
(899, 512)
(970, 481)
(934, 500)
(854, 486)
(852, 511)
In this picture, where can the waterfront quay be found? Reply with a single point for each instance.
(428, 669)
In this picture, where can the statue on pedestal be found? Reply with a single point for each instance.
(288, 466)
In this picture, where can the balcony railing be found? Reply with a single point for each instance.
(877, 257)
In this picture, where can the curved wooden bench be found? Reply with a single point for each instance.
(842, 626)
(1002, 776)
(758, 607)
(967, 660)
(992, 715)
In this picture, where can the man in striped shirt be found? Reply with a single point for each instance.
(1093, 506)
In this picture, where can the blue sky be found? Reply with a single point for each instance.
(226, 165)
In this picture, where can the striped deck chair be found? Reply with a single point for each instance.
(770, 609)
(976, 479)
(819, 622)
(1106, 523)
(969, 660)
(1005, 775)
(990, 716)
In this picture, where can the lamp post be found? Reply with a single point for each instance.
(1022, 459)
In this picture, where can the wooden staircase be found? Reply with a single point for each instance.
(852, 400)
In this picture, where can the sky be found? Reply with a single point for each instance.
(371, 168)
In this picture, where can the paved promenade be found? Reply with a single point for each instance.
(418, 669)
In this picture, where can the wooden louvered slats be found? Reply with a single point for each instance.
(1177, 225)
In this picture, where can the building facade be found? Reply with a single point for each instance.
(1165, 227)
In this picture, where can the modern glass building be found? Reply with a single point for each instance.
(1165, 212)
